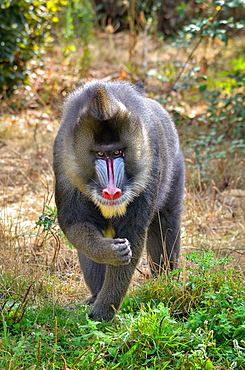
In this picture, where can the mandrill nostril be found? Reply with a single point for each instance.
(115, 194)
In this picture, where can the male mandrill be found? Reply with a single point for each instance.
(119, 187)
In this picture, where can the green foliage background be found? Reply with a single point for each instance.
(25, 31)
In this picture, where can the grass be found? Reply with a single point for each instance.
(195, 321)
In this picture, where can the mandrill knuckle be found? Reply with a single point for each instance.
(121, 243)
(122, 251)
(119, 177)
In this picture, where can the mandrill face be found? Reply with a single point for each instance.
(111, 189)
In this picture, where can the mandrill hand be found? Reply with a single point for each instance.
(120, 252)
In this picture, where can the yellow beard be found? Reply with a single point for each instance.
(109, 212)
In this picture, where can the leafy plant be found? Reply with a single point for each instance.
(226, 105)
(25, 30)
(48, 221)
(222, 124)
(220, 127)
(211, 24)
(78, 28)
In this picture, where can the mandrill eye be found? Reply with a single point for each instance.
(117, 153)
(100, 155)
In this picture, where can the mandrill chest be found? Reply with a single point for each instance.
(109, 232)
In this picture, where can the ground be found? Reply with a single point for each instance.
(213, 218)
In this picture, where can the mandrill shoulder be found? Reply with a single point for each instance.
(162, 125)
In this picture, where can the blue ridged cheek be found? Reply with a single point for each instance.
(101, 171)
(101, 168)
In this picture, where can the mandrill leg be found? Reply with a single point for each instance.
(115, 287)
(94, 275)
(163, 242)
(116, 283)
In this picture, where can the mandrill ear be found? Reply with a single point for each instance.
(103, 106)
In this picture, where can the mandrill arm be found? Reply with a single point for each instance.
(91, 242)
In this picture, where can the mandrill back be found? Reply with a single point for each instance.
(119, 187)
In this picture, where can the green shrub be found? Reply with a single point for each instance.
(24, 32)
(226, 109)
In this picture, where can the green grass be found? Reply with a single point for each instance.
(193, 319)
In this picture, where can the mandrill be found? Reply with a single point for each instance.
(119, 187)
